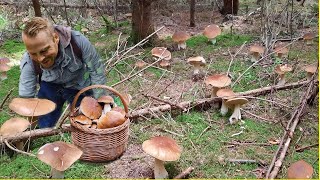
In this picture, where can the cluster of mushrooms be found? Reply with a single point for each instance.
(100, 113)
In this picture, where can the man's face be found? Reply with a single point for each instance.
(43, 48)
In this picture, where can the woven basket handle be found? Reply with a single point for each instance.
(97, 86)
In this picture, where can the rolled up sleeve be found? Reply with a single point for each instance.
(28, 79)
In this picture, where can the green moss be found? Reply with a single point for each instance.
(13, 46)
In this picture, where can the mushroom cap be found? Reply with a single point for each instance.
(180, 36)
(111, 119)
(281, 69)
(212, 31)
(82, 119)
(14, 126)
(140, 64)
(310, 68)
(281, 50)
(256, 48)
(218, 80)
(162, 148)
(106, 99)
(164, 63)
(32, 106)
(236, 101)
(90, 107)
(308, 36)
(4, 60)
(197, 61)
(161, 52)
(59, 155)
(119, 109)
(4, 68)
(225, 93)
(300, 170)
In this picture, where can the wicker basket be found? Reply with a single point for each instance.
(99, 145)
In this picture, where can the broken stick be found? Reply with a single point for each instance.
(184, 173)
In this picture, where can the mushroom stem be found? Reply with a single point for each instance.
(3, 75)
(55, 174)
(255, 57)
(236, 115)
(106, 108)
(309, 76)
(282, 80)
(182, 45)
(309, 41)
(213, 41)
(196, 70)
(160, 171)
(224, 108)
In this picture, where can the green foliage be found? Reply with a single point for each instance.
(3, 22)
(229, 40)
(13, 46)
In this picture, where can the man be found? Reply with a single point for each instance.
(68, 62)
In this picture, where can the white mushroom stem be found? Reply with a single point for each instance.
(224, 108)
(160, 171)
(196, 69)
(282, 80)
(106, 108)
(213, 41)
(3, 75)
(55, 174)
(236, 115)
(182, 45)
(309, 41)
(309, 76)
(255, 56)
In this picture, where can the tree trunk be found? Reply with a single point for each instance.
(37, 8)
(230, 7)
(192, 10)
(141, 20)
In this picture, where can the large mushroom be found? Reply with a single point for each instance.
(300, 170)
(90, 107)
(310, 69)
(308, 38)
(211, 32)
(197, 62)
(111, 119)
(162, 149)
(83, 120)
(32, 108)
(225, 94)
(281, 70)
(161, 52)
(256, 51)
(236, 103)
(181, 37)
(59, 156)
(217, 81)
(3, 71)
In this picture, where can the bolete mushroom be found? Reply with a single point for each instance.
(164, 64)
(211, 32)
(140, 64)
(162, 149)
(111, 119)
(83, 120)
(60, 156)
(236, 104)
(90, 107)
(181, 37)
(256, 51)
(107, 102)
(197, 62)
(217, 81)
(308, 38)
(281, 70)
(161, 52)
(280, 51)
(300, 170)
(3, 71)
(224, 94)
(32, 108)
(310, 69)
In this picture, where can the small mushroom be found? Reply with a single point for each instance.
(225, 94)
(256, 51)
(60, 156)
(162, 149)
(310, 69)
(308, 38)
(82, 119)
(211, 32)
(107, 102)
(140, 64)
(161, 52)
(281, 70)
(3, 71)
(300, 170)
(90, 107)
(111, 119)
(164, 64)
(4, 60)
(197, 62)
(236, 104)
(181, 37)
(217, 81)
(281, 51)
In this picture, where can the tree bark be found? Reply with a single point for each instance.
(230, 7)
(141, 20)
(192, 11)
(37, 8)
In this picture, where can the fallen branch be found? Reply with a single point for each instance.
(5, 98)
(301, 149)
(17, 150)
(242, 161)
(164, 101)
(184, 173)
(248, 143)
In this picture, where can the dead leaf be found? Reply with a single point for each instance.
(273, 141)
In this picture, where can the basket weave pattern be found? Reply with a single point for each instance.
(100, 145)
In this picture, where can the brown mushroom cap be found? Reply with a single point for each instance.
(4, 60)
(308, 36)
(256, 49)
(310, 68)
(59, 155)
(82, 119)
(106, 99)
(236, 101)
(32, 106)
(4, 68)
(197, 61)
(140, 64)
(281, 69)
(14, 126)
(281, 50)
(218, 80)
(212, 31)
(111, 119)
(164, 63)
(119, 109)
(162, 148)
(225, 93)
(180, 36)
(90, 107)
(300, 170)
(161, 52)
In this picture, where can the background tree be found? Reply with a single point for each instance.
(37, 8)
(230, 7)
(192, 11)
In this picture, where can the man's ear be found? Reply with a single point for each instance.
(55, 38)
